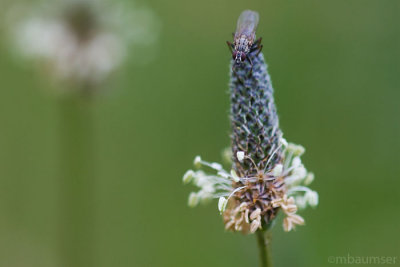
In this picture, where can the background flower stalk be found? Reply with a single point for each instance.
(79, 44)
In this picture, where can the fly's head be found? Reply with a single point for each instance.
(239, 57)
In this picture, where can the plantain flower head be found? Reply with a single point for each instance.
(267, 175)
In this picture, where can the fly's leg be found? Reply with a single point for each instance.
(249, 60)
(237, 75)
(259, 50)
(230, 46)
(251, 69)
(257, 46)
(257, 42)
(238, 78)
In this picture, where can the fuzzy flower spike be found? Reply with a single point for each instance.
(267, 174)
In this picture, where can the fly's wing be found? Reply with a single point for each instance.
(247, 24)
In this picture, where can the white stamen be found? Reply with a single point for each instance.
(312, 198)
(272, 155)
(235, 177)
(297, 150)
(255, 214)
(240, 156)
(223, 174)
(296, 162)
(216, 166)
(255, 225)
(309, 178)
(197, 162)
(301, 202)
(222, 204)
(297, 189)
(188, 176)
(236, 190)
(277, 171)
(284, 142)
(193, 200)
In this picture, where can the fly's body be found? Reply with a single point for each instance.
(244, 37)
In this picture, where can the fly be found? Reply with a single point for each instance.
(244, 38)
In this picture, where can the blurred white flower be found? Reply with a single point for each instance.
(81, 41)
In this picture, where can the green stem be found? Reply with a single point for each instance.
(77, 182)
(264, 251)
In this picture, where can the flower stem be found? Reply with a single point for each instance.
(76, 182)
(264, 251)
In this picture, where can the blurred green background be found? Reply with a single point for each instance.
(335, 69)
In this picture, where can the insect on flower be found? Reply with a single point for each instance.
(243, 40)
